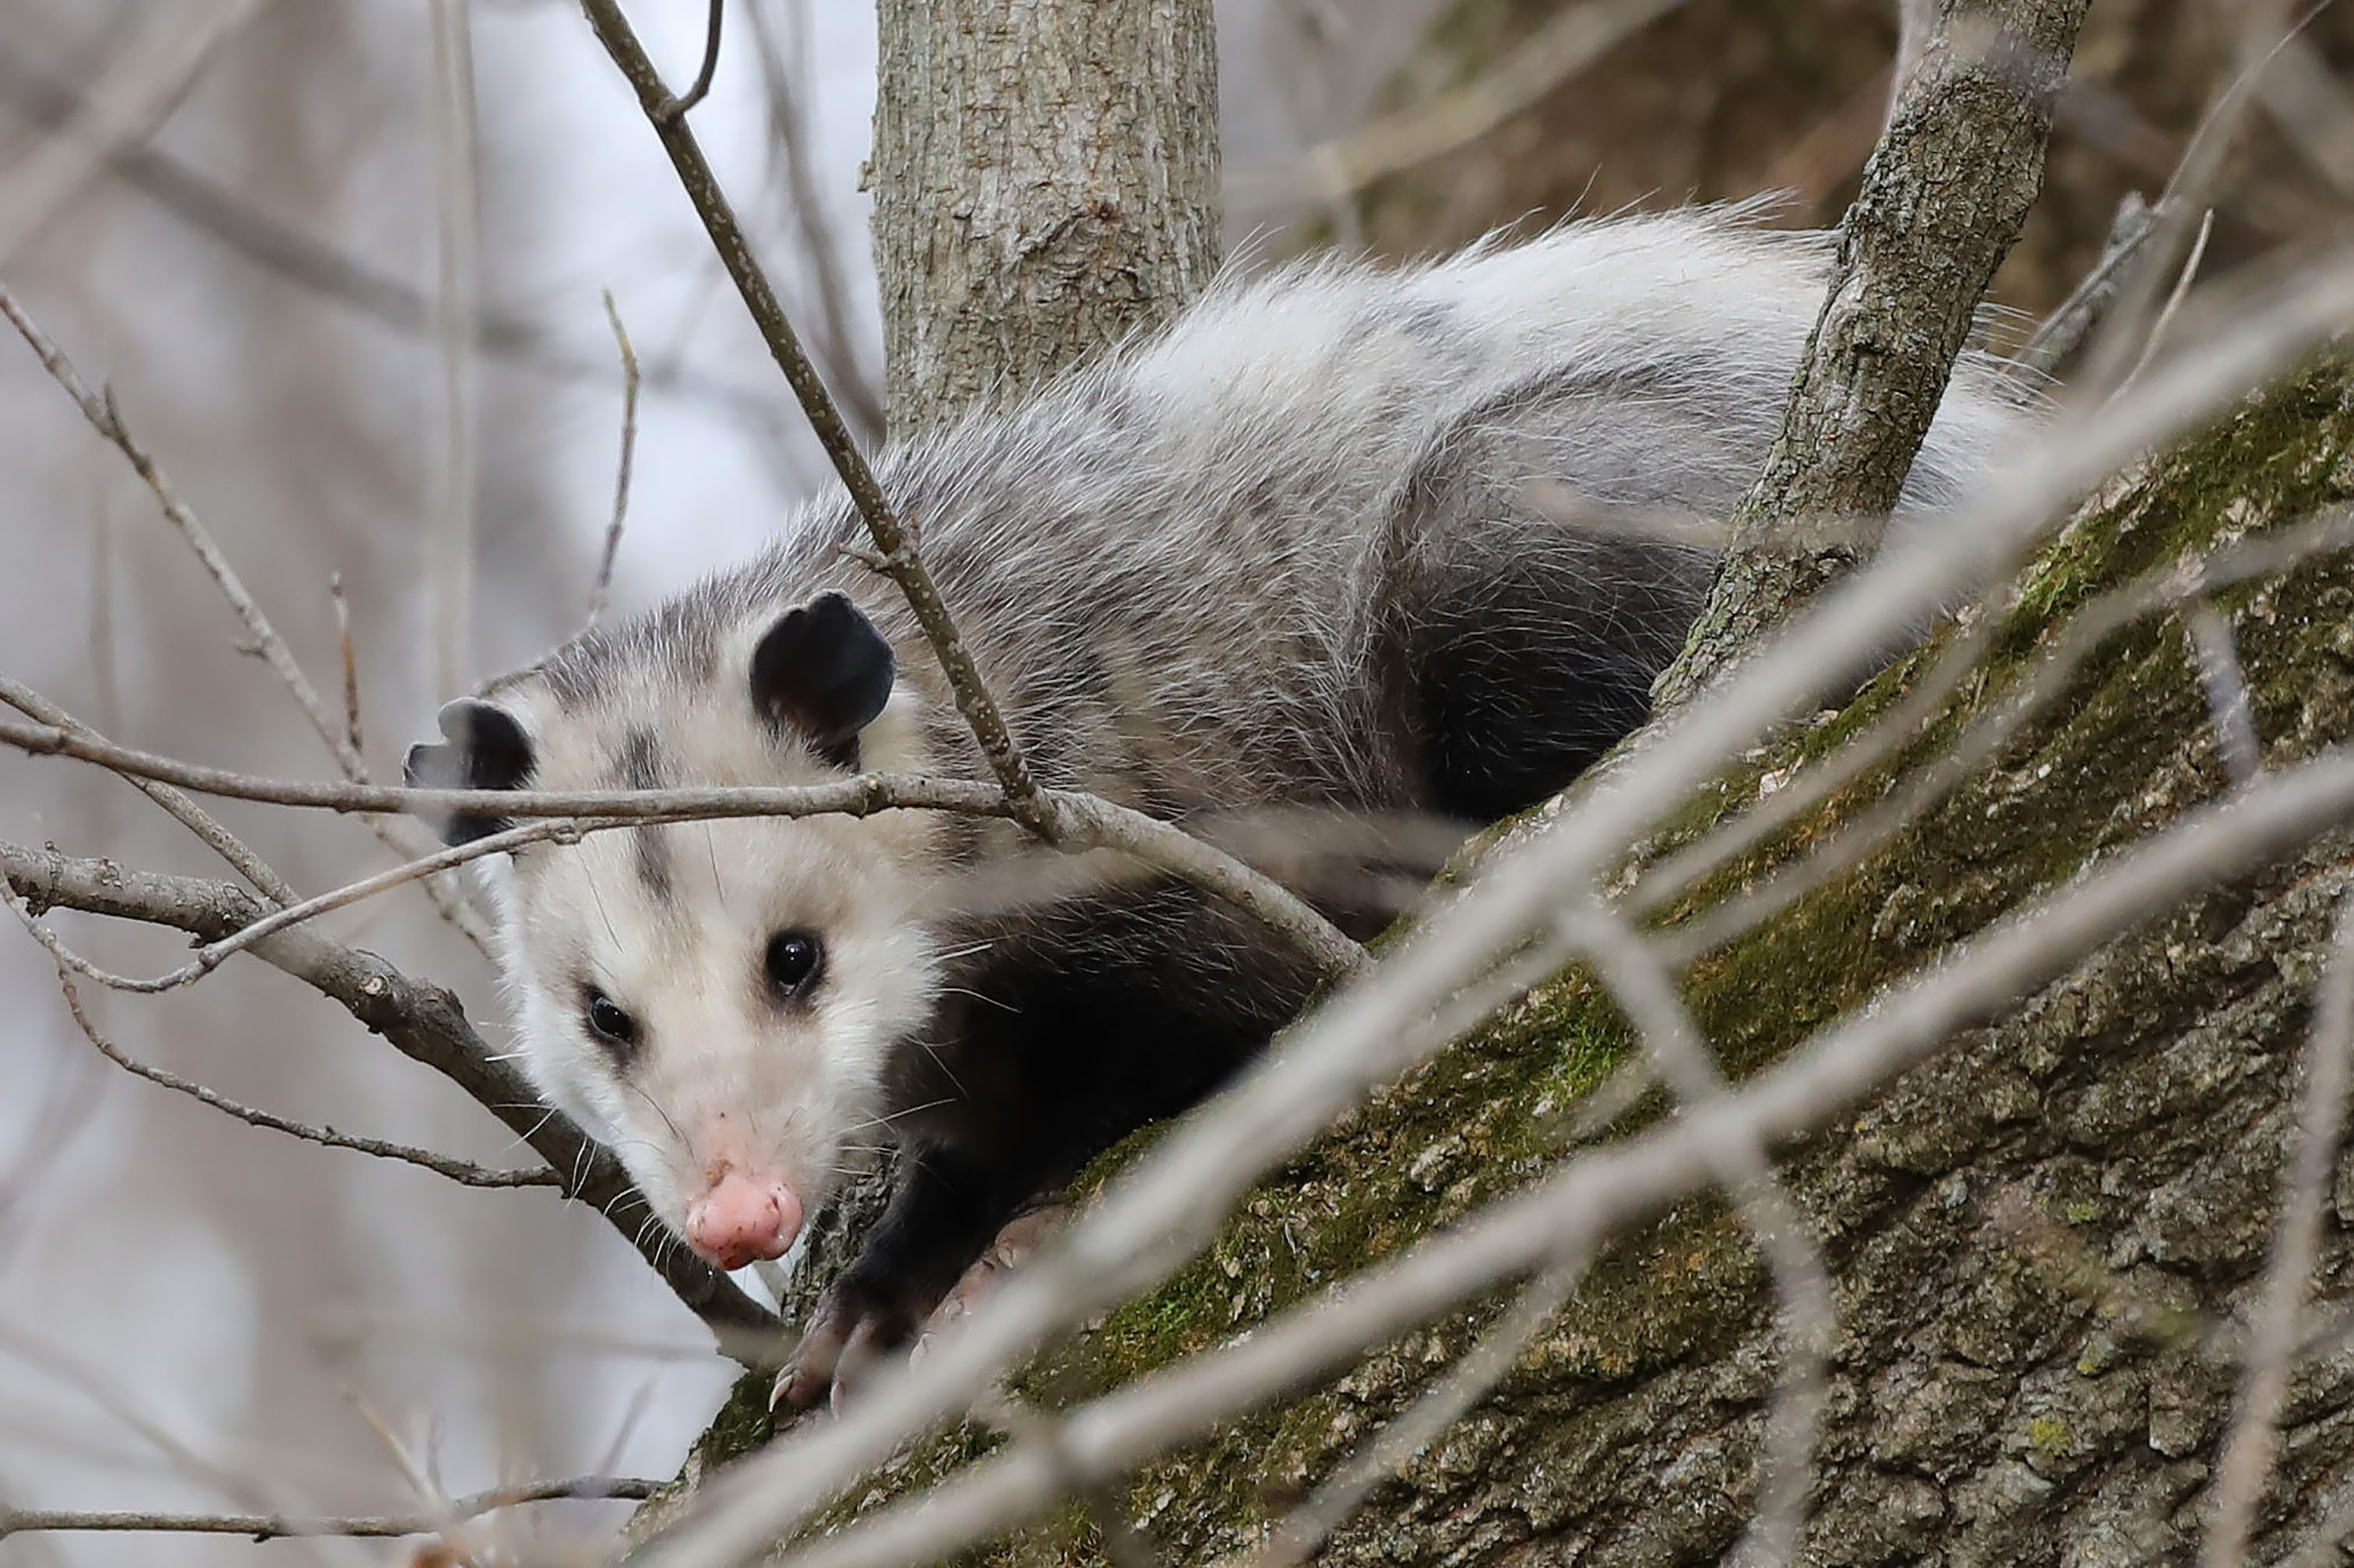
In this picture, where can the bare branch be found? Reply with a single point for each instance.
(2062, 332)
(212, 955)
(1640, 979)
(2174, 300)
(2226, 685)
(1074, 819)
(182, 809)
(785, 75)
(106, 418)
(462, 1172)
(1440, 1406)
(351, 661)
(603, 589)
(422, 1020)
(2263, 32)
(274, 1526)
(898, 559)
(676, 108)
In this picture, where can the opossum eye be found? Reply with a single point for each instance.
(794, 960)
(609, 1022)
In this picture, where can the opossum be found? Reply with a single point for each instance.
(1325, 542)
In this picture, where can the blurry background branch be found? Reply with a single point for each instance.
(422, 1020)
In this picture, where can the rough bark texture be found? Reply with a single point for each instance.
(1045, 181)
(2029, 1232)
(1944, 198)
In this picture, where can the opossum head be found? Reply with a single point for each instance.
(715, 1000)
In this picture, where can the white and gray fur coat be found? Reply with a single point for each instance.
(1340, 536)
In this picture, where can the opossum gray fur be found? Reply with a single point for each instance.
(1291, 551)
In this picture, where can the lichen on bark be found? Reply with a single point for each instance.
(2018, 1227)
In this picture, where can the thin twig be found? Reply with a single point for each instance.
(897, 556)
(422, 1020)
(2248, 1450)
(273, 1526)
(2064, 329)
(1438, 1407)
(785, 74)
(2173, 299)
(463, 1171)
(1073, 819)
(106, 418)
(212, 955)
(676, 108)
(1640, 981)
(182, 809)
(2229, 708)
(351, 664)
(603, 589)
(2120, 345)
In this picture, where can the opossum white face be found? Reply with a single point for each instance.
(717, 1001)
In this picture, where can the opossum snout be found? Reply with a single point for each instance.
(743, 1219)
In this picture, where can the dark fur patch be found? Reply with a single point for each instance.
(640, 766)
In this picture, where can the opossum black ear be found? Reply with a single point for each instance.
(824, 671)
(487, 749)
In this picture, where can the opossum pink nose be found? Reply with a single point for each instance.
(742, 1220)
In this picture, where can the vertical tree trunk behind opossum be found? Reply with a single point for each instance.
(1045, 181)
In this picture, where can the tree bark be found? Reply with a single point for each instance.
(1045, 181)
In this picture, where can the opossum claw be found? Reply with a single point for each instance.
(855, 1330)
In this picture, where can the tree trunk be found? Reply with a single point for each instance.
(1046, 183)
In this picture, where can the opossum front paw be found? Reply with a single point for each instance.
(861, 1322)
(856, 1325)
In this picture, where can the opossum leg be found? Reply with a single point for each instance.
(944, 1209)
(1018, 1241)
